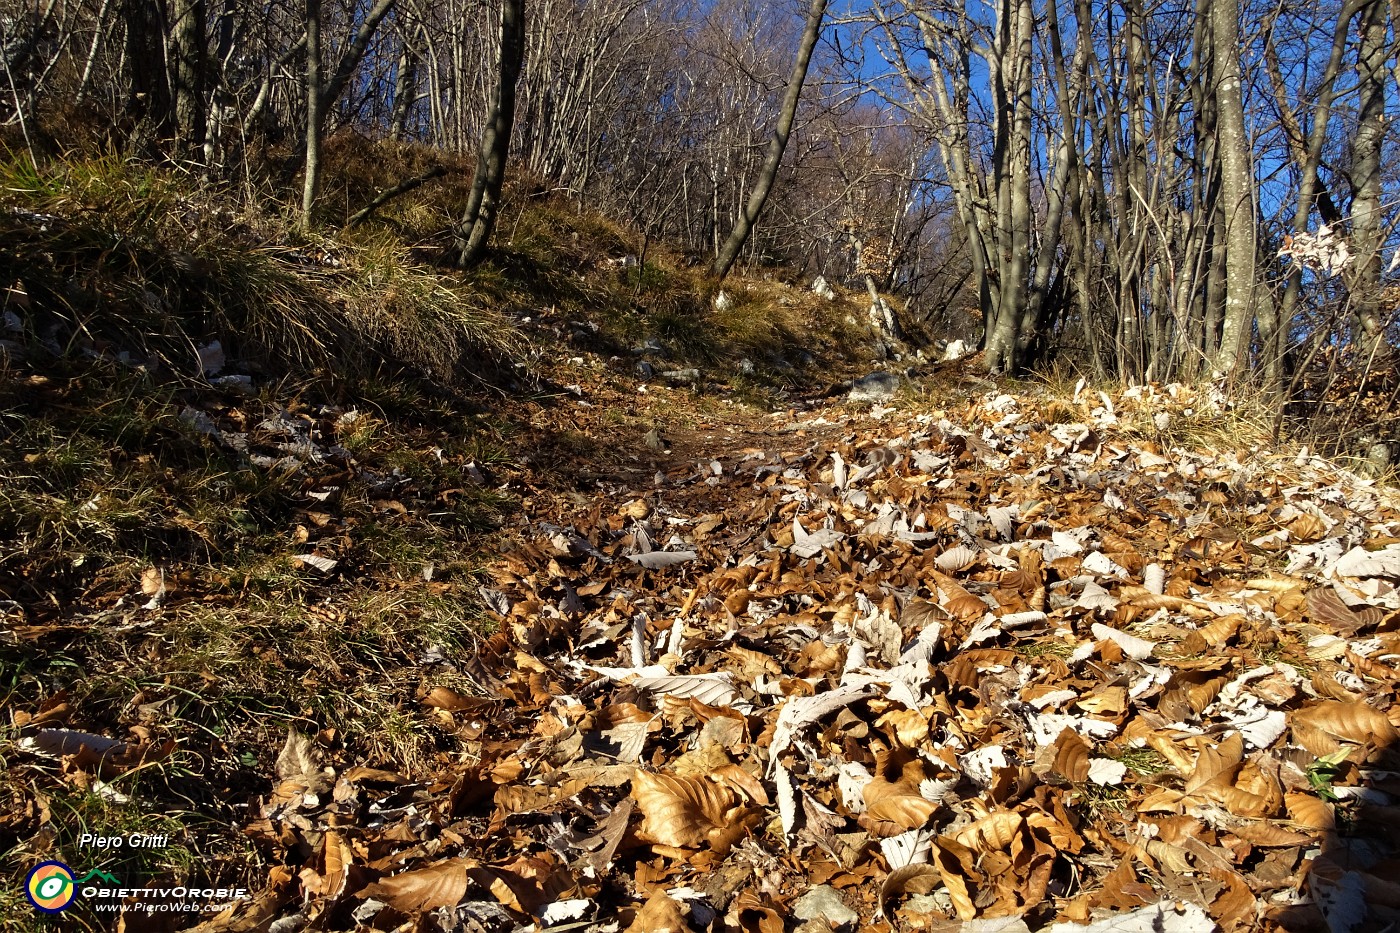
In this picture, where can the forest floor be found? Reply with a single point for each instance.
(655, 635)
(975, 657)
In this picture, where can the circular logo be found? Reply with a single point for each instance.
(50, 887)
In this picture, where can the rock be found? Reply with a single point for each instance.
(954, 351)
(876, 387)
(211, 358)
(822, 289)
(823, 902)
(882, 319)
(237, 382)
(681, 377)
(645, 369)
(723, 302)
(649, 347)
(746, 367)
(806, 359)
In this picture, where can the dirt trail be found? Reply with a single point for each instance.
(960, 657)
(922, 663)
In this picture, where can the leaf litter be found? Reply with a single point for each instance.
(979, 669)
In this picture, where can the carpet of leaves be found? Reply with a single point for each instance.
(1000, 666)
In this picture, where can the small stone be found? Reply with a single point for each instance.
(823, 902)
(649, 347)
(876, 387)
(211, 358)
(822, 289)
(645, 369)
(681, 377)
(723, 302)
(746, 367)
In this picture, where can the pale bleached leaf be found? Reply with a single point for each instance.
(710, 689)
(1138, 649)
(317, 562)
(657, 560)
(1359, 562)
(799, 712)
(955, 559)
(1164, 917)
(1106, 771)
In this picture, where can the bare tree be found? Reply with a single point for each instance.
(311, 182)
(773, 158)
(479, 220)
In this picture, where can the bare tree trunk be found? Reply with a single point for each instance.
(187, 74)
(1236, 191)
(1013, 184)
(99, 38)
(474, 231)
(148, 91)
(314, 118)
(1367, 216)
(405, 92)
(1068, 88)
(353, 54)
(743, 225)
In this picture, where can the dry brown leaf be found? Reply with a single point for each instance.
(820, 658)
(908, 727)
(1213, 635)
(909, 879)
(684, 812)
(993, 832)
(953, 859)
(1071, 756)
(1350, 722)
(442, 884)
(958, 602)
(1172, 857)
(509, 888)
(1326, 608)
(660, 914)
(444, 698)
(1234, 906)
(361, 775)
(737, 779)
(1309, 812)
(337, 858)
(1269, 835)
(752, 914)
(890, 811)
(1216, 765)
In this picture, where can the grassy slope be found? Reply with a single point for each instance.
(149, 580)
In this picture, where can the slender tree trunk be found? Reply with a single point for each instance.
(1367, 217)
(148, 90)
(1067, 90)
(1236, 191)
(743, 226)
(405, 93)
(99, 39)
(314, 118)
(187, 71)
(484, 201)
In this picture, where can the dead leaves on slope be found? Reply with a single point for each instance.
(1015, 668)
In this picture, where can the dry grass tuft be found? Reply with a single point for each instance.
(110, 258)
